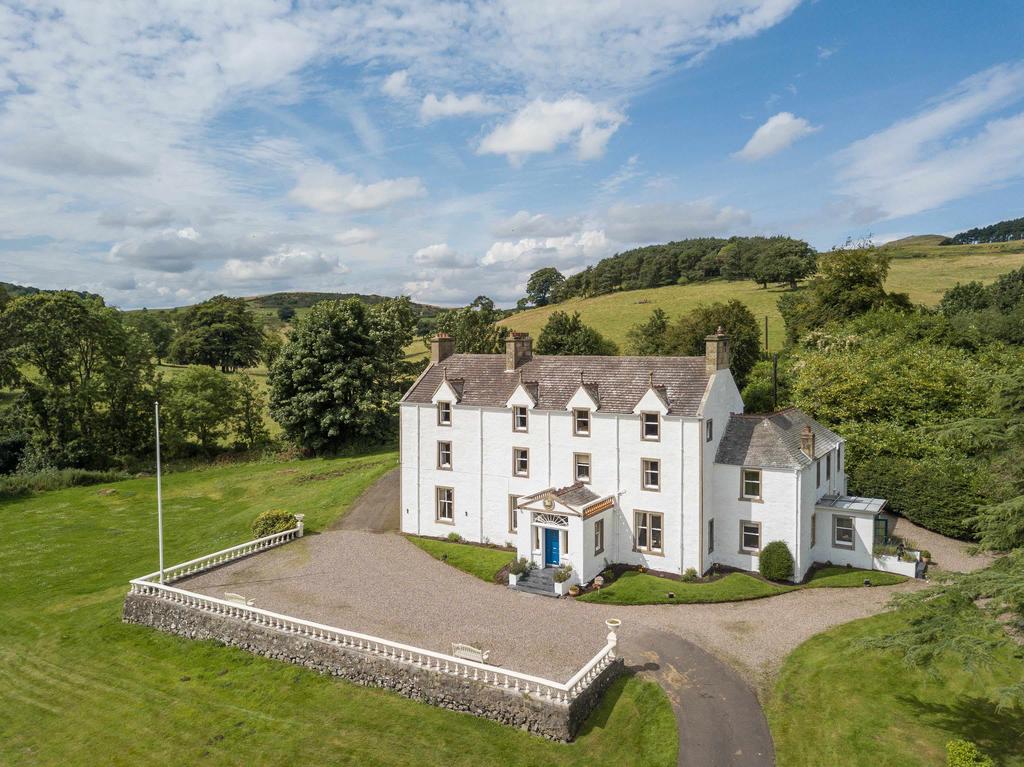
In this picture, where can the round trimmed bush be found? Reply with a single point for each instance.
(273, 521)
(776, 561)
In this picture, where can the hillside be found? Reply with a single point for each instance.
(14, 291)
(922, 269)
(266, 306)
(1002, 231)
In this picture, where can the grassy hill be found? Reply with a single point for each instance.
(920, 267)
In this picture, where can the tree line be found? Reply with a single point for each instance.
(1004, 231)
(78, 379)
(765, 260)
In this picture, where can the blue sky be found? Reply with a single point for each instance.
(159, 153)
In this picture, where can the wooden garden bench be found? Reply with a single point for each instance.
(468, 652)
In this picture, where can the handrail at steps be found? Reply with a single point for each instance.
(267, 541)
(563, 692)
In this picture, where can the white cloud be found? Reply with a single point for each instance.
(442, 255)
(628, 171)
(289, 263)
(661, 222)
(172, 250)
(450, 105)
(396, 85)
(526, 224)
(943, 153)
(825, 52)
(563, 252)
(357, 235)
(324, 189)
(542, 126)
(778, 132)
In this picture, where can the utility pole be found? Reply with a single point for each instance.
(775, 381)
(159, 498)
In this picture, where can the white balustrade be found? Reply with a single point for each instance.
(200, 564)
(395, 651)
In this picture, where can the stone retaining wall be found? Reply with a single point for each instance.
(515, 709)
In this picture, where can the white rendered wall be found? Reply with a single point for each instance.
(721, 400)
(777, 513)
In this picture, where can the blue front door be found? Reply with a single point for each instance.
(551, 555)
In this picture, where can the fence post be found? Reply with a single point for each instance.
(302, 526)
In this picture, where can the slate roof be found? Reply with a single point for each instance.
(575, 495)
(772, 441)
(619, 382)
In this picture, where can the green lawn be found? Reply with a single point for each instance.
(482, 562)
(924, 271)
(79, 687)
(836, 702)
(835, 577)
(633, 588)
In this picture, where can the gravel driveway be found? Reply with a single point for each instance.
(383, 585)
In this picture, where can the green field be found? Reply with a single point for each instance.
(839, 703)
(480, 561)
(78, 687)
(923, 270)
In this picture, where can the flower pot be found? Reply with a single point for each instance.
(513, 579)
(574, 590)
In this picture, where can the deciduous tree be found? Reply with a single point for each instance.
(222, 332)
(686, 336)
(567, 334)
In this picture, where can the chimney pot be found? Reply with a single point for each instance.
(716, 352)
(518, 350)
(442, 346)
(807, 441)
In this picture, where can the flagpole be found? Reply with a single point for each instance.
(159, 498)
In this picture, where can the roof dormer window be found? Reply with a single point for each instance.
(581, 422)
(444, 413)
(650, 426)
(520, 418)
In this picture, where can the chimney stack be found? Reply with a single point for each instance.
(807, 441)
(716, 352)
(518, 349)
(442, 346)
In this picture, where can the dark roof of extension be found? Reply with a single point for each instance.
(772, 441)
(616, 383)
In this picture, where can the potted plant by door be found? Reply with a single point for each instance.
(574, 590)
(561, 579)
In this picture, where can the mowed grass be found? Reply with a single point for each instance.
(634, 588)
(838, 702)
(835, 577)
(922, 271)
(480, 561)
(79, 687)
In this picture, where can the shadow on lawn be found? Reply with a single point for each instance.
(999, 733)
(598, 718)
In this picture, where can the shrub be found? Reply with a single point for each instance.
(520, 566)
(776, 561)
(690, 574)
(273, 521)
(562, 574)
(963, 753)
(21, 484)
(454, 537)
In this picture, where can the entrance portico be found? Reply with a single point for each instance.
(565, 526)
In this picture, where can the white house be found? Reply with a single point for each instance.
(640, 460)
